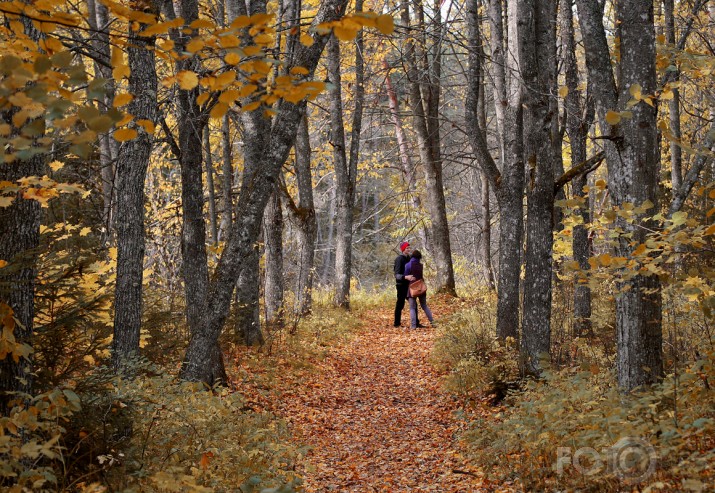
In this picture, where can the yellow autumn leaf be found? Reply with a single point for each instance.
(252, 106)
(636, 91)
(202, 24)
(202, 98)
(605, 259)
(229, 96)
(89, 359)
(306, 40)
(124, 134)
(120, 71)
(41, 195)
(6, 201)
(229, 41)
(299, 70)
(232, 58)
(240, 21)
(85, 231)
(56, 165)
(247, 90)
(225, 79)
(252, 50)
(187, 79)
(147, 125)
(666, 94)
(122, 99)
(563, 91)
(385, 24)
(613, 117)
(263, 39)
(345, 33)
(195, 45)
(219, 110)
(3, 263)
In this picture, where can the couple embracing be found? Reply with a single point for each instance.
(408, 269)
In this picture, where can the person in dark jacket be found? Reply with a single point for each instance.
(402, 282)
(413, 269)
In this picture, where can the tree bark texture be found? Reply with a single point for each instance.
(539, 74)
(344, 181)
(508, 183)
(273, 235)
(577, 126)
(424, 102)
(305, 218)
(632, 158)
(475, 118)
(226, 179)
(213, 218)
(132, 164)
(251, 204)
(635, 180)
(509, 192)
(247, 311)
(19, 243)
(193, 231)
(19, 240)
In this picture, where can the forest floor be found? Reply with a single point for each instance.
(375, 416)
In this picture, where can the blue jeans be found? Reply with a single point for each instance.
(413, 310)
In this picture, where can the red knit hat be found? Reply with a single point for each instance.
(403, 245)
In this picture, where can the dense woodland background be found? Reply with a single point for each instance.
(186, 184)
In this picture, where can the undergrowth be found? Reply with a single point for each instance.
(573, 430)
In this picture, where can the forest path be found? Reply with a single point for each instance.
(377, 419)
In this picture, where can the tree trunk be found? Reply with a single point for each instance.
(577, 129)
(273, 234)
(251, 204)
(19, 239)
(305, 215)
(193, 232)
(213, 219)
(98, 19)
(510, 192)
(328, 260)
(424, 102)
(676, 159)
(509, 183)
(226, 180)
(344, 183)
(635, 180)
(132, 163)
(539, 73)
(497, 69)
(632, 158)
(408, 169)
(248, 316)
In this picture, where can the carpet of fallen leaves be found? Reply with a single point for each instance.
(375, 416)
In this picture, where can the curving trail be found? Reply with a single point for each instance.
(377, 420)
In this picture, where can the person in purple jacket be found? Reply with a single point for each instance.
(414, 269)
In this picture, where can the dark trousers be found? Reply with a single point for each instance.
(400, 305)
